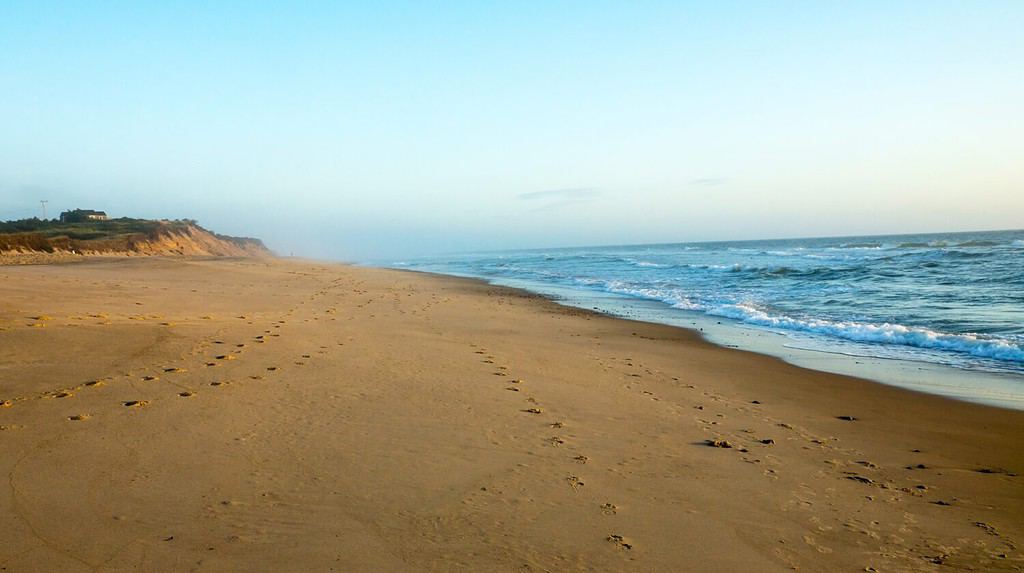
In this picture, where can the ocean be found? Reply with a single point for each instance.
(946, 301)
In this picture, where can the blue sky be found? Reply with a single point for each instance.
(395, 129)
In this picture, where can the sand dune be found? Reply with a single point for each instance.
(261, 415)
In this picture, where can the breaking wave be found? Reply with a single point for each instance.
(973, 344)
(978, 345)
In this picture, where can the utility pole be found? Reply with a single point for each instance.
(43, 203)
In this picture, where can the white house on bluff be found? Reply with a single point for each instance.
(82, 215)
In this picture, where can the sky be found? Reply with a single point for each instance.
(387, 130)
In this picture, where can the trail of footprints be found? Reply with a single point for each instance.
(846, 464)
(754, 447)
(211, 353)
(178, 376)
(573, 459)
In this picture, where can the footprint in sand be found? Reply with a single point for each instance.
(150, 378)
(6, 403)
(609, 508)
(581, 459)
(135, 403)
(555, 441)
(227, 357)
(574, 482)
(719, 443)
(812, 541)
(186, 394)
(533, 410)
(620, 541)
(64, 394)
(217, 383)
(94, 383)
(78, 417)
(175, 370)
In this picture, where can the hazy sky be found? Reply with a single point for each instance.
(332, 130)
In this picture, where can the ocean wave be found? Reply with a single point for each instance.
(886, 333)
(966, 254)
(914, 245)
(978, 244)
(671, 297)
(945, 244)
(769, 270)
(867, 245)
(640, 263)
(977, 345)
(782, 271)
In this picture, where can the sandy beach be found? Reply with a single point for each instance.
(273, 415)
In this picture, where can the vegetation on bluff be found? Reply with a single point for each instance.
(112, 235)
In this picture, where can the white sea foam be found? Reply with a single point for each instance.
(647, 264)
(893, 334)
(674, 298)
(886, 333)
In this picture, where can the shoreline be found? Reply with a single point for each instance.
(327, 415)
(996, 389)
(699, 336)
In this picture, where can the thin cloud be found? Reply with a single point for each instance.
(575, 193)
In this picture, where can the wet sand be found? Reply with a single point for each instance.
(172, 414)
